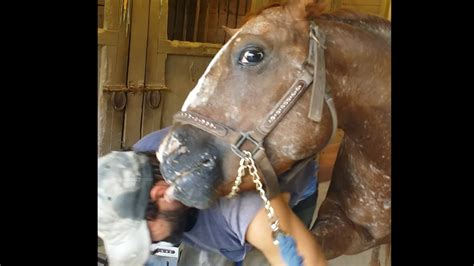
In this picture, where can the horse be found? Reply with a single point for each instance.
(277, 90)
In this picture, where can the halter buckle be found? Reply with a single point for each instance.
(244, 136)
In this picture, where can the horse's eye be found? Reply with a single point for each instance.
(251, 56)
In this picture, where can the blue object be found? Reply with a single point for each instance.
(152, 141)
(288, 250)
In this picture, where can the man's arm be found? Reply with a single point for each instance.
(259, 234)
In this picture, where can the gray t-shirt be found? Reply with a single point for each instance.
(222, 228)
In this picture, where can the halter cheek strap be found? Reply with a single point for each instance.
(320, 90)
(253, 140)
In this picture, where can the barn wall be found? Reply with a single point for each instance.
(143, 46)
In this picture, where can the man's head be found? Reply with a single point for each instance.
(167, 218)
(132, 208)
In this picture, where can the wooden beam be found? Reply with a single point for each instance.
(111, 14)
(136, 71)
(161, 12)
(362, 2)
(152, 116)
(132, 119)
(138, 43)
(107, 37)
(188, 48)
(385, 6)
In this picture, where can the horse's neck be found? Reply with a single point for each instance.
(358, 66)
(371, 23)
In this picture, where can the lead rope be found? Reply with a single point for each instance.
(285, 242)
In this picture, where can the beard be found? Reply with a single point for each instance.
(181, 220)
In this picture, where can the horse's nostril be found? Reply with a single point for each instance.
(206, 162)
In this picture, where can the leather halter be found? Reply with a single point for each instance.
(314, 72)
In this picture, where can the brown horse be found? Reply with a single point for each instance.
(256, 94)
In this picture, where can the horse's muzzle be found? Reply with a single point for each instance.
(189, 163)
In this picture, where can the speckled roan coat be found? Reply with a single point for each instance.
(356, 213)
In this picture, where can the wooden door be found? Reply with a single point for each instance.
(113, 43)
(151, 54)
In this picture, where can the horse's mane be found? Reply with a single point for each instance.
(371, 23)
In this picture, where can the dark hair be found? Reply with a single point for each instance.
(181, 220)
(152, 210)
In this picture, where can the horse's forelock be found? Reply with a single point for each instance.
(251, 14)
(313, 10)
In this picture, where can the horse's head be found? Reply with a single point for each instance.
(243, 85)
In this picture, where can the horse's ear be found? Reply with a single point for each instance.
(230, 31)
(301, 9)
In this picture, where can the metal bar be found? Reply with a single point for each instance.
(227, 19)
(196, 20)
(185, 20)
(218, 15)
(175, 20)
(107, 37)
(206, 23)
(228, 12)
(171, 15)
(237, 8)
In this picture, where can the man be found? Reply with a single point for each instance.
(230, 227)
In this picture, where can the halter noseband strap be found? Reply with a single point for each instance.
(253, 140)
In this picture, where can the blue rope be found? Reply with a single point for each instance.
(288, 250)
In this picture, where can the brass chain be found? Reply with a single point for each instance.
(248, 163)
(238, 179)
